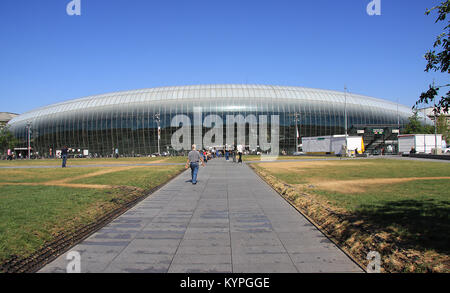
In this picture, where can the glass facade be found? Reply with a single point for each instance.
(126, 120)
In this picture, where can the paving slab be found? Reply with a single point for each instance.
(230, 221)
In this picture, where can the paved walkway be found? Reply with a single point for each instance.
(231, 221)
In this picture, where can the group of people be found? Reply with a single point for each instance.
(15, 156)
(235, 154)
(195, 158)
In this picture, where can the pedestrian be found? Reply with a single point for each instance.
(240, 149)
(117, 153)
(9, 155)
(193, 160)
(205, 156)
(64, 152)
(227, 154)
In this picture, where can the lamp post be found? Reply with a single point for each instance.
(158, 121)
(424, 134)
(345, 118)
(435, 132)
(435, 126)
(398, 117)
(296, 131)
(29, 138)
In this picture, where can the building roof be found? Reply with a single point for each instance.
(6, 116)
(214, 91)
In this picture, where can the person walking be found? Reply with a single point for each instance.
(205, 156)
(64, 153)
(227, 153)
(193, 160)
(234, 154)
(240, 149)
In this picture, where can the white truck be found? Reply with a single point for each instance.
(332, 144)
(422, 143)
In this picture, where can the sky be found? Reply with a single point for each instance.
(47, 56)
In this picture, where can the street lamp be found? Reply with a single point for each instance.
(435, 132)
(158, 121)
(297, 115)
(345, 117)
(398, 116)
(398, 128)
(29, 138)
(424, 130)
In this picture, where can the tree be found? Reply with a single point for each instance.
(7, 140)
(438, 61)
(415, 126)
(443, 128)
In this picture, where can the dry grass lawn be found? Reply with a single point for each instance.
(398, 208)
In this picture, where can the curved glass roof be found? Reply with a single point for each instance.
(215, 91)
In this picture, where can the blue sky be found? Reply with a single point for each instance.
(47, 56)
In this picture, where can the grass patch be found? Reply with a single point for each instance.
(31, 216)
(305, 172)
(141, 177)
(41, 175)
(247, 158)
(374, 205)
(98, 161)
(416, 213)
